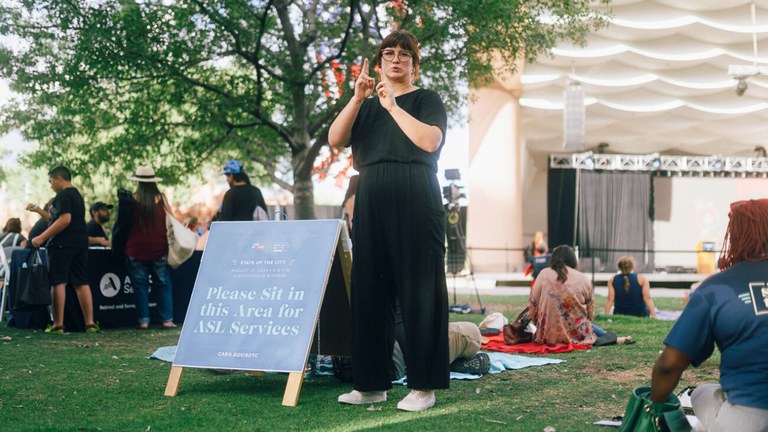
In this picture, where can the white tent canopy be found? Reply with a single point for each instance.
(656, 80)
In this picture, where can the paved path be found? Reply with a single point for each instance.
(486, 286)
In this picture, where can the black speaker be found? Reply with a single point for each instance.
(455, 227)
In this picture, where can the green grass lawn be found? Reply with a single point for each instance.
(104, 382)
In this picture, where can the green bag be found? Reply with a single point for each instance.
(644, 416)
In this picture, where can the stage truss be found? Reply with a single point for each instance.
(699, 166)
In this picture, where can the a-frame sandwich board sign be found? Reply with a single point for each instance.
(260, 293)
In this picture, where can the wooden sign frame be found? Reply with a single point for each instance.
(332, 337)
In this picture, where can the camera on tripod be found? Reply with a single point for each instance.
(453, 192)
(457, 259)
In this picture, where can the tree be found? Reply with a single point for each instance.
(110, 83)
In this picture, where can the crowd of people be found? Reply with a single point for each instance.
(138, 238)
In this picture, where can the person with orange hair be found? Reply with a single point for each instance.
(730, 310)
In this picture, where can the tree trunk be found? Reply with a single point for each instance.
(303, 189)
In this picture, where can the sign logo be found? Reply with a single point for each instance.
(759, 293)
(109, 285)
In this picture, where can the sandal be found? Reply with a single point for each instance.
(169, 325)
(52, 329)
(143, 326)
(93, 328)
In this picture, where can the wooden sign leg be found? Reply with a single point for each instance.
(174, 379)
(293, 388)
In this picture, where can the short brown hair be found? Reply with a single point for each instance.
(402, 39)
(61, 172)
(13, 226)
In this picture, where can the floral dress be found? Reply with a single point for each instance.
(562, 311)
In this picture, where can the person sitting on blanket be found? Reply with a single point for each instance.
(464, 354)
(730, 310)
(562, 305)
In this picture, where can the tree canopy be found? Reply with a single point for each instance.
(104, 85)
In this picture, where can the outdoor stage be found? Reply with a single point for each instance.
(489, 281)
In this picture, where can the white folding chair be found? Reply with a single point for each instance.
(5, 273)
(5, 258)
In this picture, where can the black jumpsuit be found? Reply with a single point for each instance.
(399, 250)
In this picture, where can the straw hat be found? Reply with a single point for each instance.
(145, 174)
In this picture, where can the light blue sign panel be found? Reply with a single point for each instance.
(257, 295)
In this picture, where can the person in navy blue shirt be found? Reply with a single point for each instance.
(730, 310)
(630, 291)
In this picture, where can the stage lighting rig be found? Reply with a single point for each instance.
(741, 73)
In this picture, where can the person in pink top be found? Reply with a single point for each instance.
(562, 305)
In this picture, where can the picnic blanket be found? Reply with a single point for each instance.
(166, 354)
(500, 362)
(668, 315)
(496, 343)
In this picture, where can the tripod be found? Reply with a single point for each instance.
(456, 235)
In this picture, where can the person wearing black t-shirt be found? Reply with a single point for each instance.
(67, 250)
(399, 227)
(97, 235)
(242, 198)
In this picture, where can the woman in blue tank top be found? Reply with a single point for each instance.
(630, 291)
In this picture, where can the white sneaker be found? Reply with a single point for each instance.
(417, 400)
(359, 398)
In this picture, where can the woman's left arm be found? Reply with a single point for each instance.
(611, 297)
(647, 295)
(426, 137)
(535, 297)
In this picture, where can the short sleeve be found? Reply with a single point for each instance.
(94, 230)
(227, 206)
(692, 334)
(432, 112)
(356, 124)
(65, 204)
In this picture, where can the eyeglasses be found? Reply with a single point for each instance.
(403, 56)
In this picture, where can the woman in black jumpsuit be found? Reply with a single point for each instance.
(399, 227)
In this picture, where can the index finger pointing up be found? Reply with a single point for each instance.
(365, 66)
(382, 76)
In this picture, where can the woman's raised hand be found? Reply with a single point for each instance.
(386, 93)
(364, 84)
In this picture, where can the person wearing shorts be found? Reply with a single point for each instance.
(67, 248)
